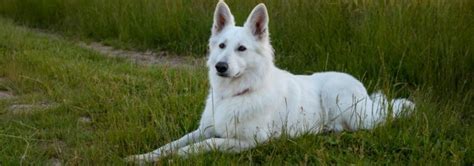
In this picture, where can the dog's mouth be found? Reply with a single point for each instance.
(225, 75)
(238, 75)
(222, 74)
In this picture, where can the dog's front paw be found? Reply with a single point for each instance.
(142, 158)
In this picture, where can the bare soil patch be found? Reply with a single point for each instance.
(29, 108)
(5, 95)
(55, 148)
(55, 162)
(84, 119)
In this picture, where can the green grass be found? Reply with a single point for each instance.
(415, 41)
(420, 49)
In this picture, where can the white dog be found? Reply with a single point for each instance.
(252, 101)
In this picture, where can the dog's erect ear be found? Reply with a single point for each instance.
(257, 22)
(222, 18)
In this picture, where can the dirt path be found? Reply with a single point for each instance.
(147, 57)
(161, 58)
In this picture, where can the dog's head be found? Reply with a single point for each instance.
(236, 51)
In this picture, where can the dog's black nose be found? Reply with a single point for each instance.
(222, 67)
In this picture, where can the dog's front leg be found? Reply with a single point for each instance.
(194, 136)
(228, 145)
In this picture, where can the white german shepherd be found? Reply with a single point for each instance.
(252, 101)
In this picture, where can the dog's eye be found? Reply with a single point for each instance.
(222, 45)
(241, 48)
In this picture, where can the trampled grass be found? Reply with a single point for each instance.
(417, 49)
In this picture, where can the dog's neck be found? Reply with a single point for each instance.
(245, 85)
(242, 92)
(249, 82)
(222, 88)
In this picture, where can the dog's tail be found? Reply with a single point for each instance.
(399, 106)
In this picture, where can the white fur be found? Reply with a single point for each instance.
(276, 101)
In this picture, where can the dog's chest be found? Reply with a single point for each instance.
(242, 117)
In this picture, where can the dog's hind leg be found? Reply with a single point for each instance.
(228, 145)
(169, 148)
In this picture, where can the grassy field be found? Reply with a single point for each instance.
(417, 49)
(392, 37)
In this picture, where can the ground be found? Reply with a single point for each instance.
(63, 102)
